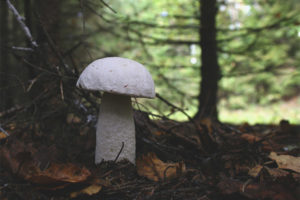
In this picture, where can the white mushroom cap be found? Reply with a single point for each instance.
(117, 75)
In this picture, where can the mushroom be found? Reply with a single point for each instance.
(119, 79)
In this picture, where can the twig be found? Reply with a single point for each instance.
(61, 90)
(20, 19)
(2, 130)
(21, 48)
(172, 105)
(10, 110)
(119, 152)
(110, 8)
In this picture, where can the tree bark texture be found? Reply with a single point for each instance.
(210, 70)
(4, 58)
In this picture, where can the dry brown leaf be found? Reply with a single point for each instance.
(57, 173)
(72, 118)
(269, 145)
(277, 173)
(254, 190)
(15, 154)
(250, 138)
(286, 161)
(103, 182)
(24, 160)
(153, 168)
(255, 171)
(90, 190)
(2, 135)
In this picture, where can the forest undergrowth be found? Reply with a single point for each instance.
(175, 160)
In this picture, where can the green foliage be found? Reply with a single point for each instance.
(258, 49)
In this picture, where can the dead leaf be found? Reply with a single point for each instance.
(13, 154)
(153, 168)
(57, 173)
(72, 118)
(90, 190)
(254, 190)
(208, 123)
(277, 173)
(255, 171)
(286, 161)
(2, 135)
(251, 138)
(25, 161)
(269, 145)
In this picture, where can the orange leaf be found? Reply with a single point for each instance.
(153, 168)
(23, 160)
(57, 173)
(2, 135)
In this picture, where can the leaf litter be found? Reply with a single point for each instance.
(173, 162)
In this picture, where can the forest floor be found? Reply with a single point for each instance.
(175, 160)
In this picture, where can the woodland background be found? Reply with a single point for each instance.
(240, 56)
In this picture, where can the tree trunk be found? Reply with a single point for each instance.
(210, 70)
(5, 101)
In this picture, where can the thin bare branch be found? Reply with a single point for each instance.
(22, 48)
(20, 19)
(108, 6)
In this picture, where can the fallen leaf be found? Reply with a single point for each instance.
(153, 168)
(72, 118)
(13, 154)
(277, 173)
(254, 190)
(2, 135)
(57, 173)
(250, 138)
(24, 161)
(255, 171)
(286, 161)
(90, 190)
(269, 145)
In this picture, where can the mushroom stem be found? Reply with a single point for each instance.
(115, 126)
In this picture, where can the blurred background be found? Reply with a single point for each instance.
(232, 60)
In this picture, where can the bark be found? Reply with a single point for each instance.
(4, 59)
(210, 70)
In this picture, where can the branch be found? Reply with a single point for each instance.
(20, 19)
(158, 41)
(21, 48)
(3, 131)
(108, 6)
(155, 25)
(173, 106)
